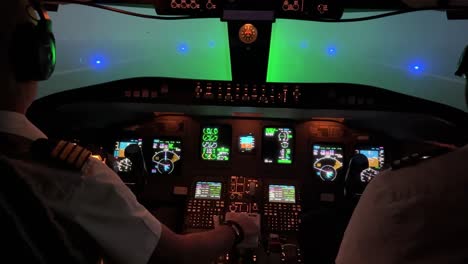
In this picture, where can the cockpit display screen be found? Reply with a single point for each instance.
(247, 143)
(208, 190)
(278, 145)
(282, 194)
(123, 164)
(376, 158)
(166, 156)
(216, 143)
(328, 161)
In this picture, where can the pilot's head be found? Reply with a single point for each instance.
(15, 95)
(462, 71)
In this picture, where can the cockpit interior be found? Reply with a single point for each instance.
(283, 110)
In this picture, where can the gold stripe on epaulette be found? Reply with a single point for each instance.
(75, 154)
(58, 148)
(66, 151)
(82, 159)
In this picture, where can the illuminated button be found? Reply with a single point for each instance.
(145, 93)
(136, 93)
(128, 93)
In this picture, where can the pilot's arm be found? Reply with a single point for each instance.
(196, 247)
(128, 233)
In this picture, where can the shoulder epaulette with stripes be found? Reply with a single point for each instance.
(64, 152)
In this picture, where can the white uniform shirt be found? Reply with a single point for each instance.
(96, 199)
(417, 214)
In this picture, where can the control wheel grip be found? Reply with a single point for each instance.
(247, 243)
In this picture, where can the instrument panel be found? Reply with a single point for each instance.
(277, 170)
(177, 149)
(283, 148)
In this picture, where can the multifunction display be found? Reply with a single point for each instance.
(247, 143)
(328, 161)
(216, 143)
(123, 164)
(278, 145)
(281, 194)
(376, 158)
(166, 156)
(208, 190)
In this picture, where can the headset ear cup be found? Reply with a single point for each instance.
(46, 55)
(33, 52)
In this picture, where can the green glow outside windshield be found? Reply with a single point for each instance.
(107, 46)
(414, 54)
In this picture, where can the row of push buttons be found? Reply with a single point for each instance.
(282, 217)
(200, 213)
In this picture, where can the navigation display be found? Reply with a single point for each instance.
(376, 158)
(281, 194)
(247, 143)
(123, 164)
(278, 145)
(328, 161)
(208, 190)
(216, 143)
(166, 156)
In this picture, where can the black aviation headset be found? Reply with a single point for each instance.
(32, 50)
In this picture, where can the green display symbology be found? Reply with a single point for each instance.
(278, 145)
(269, 131)
(287, 157)
(214, 145)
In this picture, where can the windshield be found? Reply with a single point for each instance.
(414, 54)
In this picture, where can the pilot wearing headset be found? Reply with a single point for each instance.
(93, 197)
(417, 213)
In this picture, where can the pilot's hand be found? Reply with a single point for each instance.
(247, 223)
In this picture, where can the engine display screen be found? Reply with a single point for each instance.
(123, 164)
(376, 158)
(247, 143)
(281, 194)
(278, 145)
(208, 190)
(328, 161)
(216, 143)
(166, 156)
